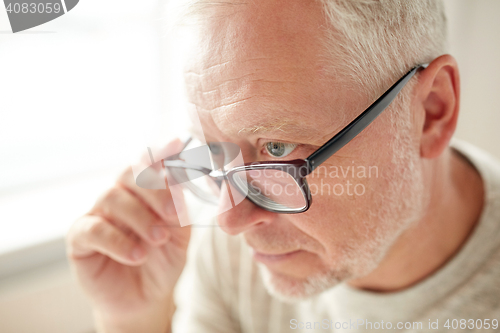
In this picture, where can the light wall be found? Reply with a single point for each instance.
(474, 28)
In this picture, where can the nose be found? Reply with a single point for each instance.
(239, 214)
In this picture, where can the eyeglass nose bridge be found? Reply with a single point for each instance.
(218, 175)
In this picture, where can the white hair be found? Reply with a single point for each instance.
(374, 42)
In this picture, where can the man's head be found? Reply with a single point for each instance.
(296, 72)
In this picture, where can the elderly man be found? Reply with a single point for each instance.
(412, 246)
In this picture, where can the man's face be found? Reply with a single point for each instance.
(260, 76)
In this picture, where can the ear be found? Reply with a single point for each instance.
(438, 99)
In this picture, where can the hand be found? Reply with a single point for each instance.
(129, 251)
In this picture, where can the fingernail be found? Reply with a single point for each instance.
(157, 233)
(137, 253)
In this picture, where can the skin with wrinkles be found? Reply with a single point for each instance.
(258, 76)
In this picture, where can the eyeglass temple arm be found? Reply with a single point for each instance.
(360, 123)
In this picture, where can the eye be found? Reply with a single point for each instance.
(279, 149)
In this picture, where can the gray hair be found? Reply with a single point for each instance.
(374, 42)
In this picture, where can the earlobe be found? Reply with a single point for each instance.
(439, 97)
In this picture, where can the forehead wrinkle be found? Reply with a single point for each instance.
(207, 77)
(207, 80)
(276, 58)
(265, 53)
(215, 92)
(221, 107)
(202, 70)
(225, 110)
(227, 116)
(216, 96)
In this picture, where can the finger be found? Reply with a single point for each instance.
(160, 201)
(125, 210)
(94, 234)
(176, 192)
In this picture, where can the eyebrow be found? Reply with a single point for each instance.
(278, 127)
(290, 130)
(286, 129)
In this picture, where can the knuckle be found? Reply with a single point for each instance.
(117, 242)
(113, 194)
(122, 244)
(104, 235)
(77, 238)
(96, 228)
(146, 218)
(71, 240)
(109, 200)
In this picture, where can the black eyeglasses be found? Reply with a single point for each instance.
(276, 186)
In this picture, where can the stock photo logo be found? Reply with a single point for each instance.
(26, 14)
(198, 170)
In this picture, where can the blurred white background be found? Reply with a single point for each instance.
(81, 98)
(85, 94)
(474, 31)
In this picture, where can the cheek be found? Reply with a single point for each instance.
(340, 189)
(343, 204)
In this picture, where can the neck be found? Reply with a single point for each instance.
(455, 206)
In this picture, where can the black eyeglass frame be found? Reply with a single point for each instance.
(298, 168)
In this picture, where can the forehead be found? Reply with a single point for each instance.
(260, 67)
